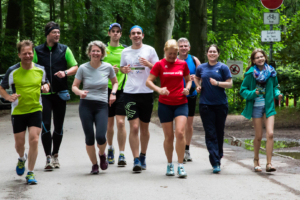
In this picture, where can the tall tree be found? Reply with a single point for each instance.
(214, 15)
(28, 9)
(1, 25)
(164, 23)
(62, 14)
(198, 28)
(52, 10)
(87, 28)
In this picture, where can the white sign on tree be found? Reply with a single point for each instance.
(236, 68)
(271, 36)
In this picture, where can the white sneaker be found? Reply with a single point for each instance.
(55, 161)
(49, 166)
(187, 156)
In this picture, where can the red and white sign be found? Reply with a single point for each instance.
(271, 4)
(236, 68)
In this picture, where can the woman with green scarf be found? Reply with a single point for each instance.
(259, 88)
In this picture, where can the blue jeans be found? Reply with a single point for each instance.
(213, 118)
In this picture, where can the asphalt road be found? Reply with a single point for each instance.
(73, 181)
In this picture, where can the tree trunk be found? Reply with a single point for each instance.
(62, 15)
(28, 18)
(164, 23)
(198, 28)
(52, 10)
(1, 25)
(214, 15)
(87, 29)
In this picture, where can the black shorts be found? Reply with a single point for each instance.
(192, 105)
(139, 106)
(167, 113)
(21, 122)
(117, 108)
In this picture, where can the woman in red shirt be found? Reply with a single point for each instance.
(172, 102)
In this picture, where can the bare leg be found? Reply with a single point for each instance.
(102, 148)
(189, 130)
(92, 153)
(121, 132)
(20, 143)
(134, 137)
(269, 123)
(169, 139)
(180, 123)
(34, 133)
(110, 130)
(257, 123)
(145, 136)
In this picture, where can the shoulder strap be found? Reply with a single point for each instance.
(193, 57)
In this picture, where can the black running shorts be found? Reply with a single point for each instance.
(21, 122)
(117, 108)
(192, 105)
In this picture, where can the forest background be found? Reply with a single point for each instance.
(234, 25)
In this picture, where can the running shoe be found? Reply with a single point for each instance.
(143, 162)
(20, 169)
(137, 165)
(30, 178)
(55, 161)
(170, 170)
(122, 160)
(187, 156)
(181, 172)
(111, 156)
(103, 162)
(49, 166)
(95, 169)
(216, 169)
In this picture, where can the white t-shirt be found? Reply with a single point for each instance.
(136, 81)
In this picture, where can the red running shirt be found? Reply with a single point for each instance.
(171, 76)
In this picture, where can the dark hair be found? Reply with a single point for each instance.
(24, 43)
(213, 45)
(50, 25)
(252, 57)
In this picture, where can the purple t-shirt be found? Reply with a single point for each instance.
(213, 95)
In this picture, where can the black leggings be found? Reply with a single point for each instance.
(52, 103)
(90, 112)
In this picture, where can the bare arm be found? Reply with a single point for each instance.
(125, 69)
(145, 62)
(225, 84)
(152, 86)
(188, 85)
(114, 82)
(8, 97)
(70, 72)
(198, 84)
(77, 91)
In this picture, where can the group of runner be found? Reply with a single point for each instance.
(118, 81)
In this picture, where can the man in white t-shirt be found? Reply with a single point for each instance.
(137, 61)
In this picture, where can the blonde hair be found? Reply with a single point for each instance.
(171, 44)
(24, 43)
(99, 44)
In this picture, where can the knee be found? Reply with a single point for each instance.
(169, 138)
(34, 141)
(120, 124)
(134, 130)
(258, 138)
(20, 143)
(180, 135)
(101, 139)
(89, 141)
(270, 136)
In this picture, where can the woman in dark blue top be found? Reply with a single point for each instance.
(213, 106)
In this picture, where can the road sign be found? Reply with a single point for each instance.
(271, 36)
(271, 18)
(236, 68)
(271, 4)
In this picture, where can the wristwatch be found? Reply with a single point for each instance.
(113, 93)
(66, 72)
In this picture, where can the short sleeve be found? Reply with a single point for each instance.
(156, 69)
(112, 73)
(226, 72)
(71, 62)
(8, 80)
(123, 61)
(186, 69)
(154, 57)
(79, 73)
(198, 71)
(35, 57)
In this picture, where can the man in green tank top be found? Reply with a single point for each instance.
(113, 51)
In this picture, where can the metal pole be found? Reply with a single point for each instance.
(271, 43)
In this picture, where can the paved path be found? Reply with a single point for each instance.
(73, 181)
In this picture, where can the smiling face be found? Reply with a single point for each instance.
(259, 59)
(184, 48)
(136, 36)
(95, 53)
(171, 54)
(26, 54)
(53, 36)
(212, 54)
(115, 33)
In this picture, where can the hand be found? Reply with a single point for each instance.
(164, 91)
(13, 97)
(257, 92)
(126, 69)
(192, 77)
(213, 82)
(45, 88)
(280, 98)
(185, 91)
(198, 89)
(145, 62)
(83, 94)
(112, 99)
(60, 74)
(116, 69)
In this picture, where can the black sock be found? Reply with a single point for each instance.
(143, 154)
(187, 147)
(57, 138)
(47, 142)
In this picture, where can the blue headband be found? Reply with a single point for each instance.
(136, 26)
